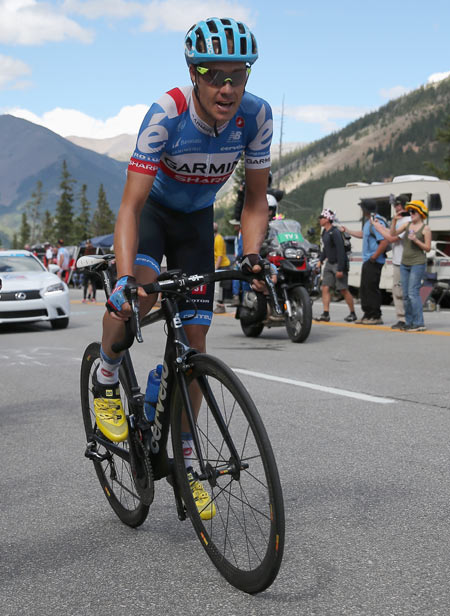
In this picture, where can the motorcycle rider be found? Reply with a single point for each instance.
(335, 273)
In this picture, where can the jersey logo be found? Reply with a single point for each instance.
(201, 290)
(240, 122)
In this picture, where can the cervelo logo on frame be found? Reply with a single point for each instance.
(162, 395)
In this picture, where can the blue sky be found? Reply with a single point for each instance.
(92, 67)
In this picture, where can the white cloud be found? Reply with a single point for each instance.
(28, 22)
(11, 71)
(394, 92)
(172, 15)
(435, 77)
(325, 115)
(70, 122)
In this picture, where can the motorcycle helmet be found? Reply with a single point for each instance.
(273, 205)
(224, 40)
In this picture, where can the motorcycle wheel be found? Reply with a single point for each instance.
(299, 326)
(252, 331)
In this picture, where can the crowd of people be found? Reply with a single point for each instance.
(408, 237)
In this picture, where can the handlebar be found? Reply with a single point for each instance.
(176, 282)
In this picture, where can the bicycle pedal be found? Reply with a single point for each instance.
(92, 454)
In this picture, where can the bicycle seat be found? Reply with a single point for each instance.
(94, 260)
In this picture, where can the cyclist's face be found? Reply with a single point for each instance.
(220, 102)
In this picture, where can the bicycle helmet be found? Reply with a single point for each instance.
(216, 39)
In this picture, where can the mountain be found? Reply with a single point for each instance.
(30, 153)
(120, 147)
(397, 139)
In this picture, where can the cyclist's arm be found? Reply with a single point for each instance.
(126, 233)
(254, 218)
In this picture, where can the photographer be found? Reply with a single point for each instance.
(374, 257)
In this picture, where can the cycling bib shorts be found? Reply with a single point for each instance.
(187, 241)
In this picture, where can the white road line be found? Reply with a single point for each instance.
(329, 390)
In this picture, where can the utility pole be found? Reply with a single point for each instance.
(281, 142)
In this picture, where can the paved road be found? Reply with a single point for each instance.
(360, 428)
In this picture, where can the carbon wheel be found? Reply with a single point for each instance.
(245, 537)
(126, 480)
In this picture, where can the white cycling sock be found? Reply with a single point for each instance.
(108, 372)
(188, 449)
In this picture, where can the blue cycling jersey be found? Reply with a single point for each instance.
(190, 163)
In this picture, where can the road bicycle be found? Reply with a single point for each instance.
(232, 454)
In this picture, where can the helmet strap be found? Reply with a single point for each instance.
(197, 95)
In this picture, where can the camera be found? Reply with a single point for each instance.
(405, 213)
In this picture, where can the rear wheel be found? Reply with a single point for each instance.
(299, 325)
(252, 331)
(245, 537)
(126, 480)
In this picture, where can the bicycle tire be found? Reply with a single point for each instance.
(115, 474)
(299, 326)
(245, 539)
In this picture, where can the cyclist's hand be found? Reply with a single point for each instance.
(253, 263)
(117, 303)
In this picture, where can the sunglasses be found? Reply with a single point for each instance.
(217, 78)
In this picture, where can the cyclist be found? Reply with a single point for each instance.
(188, 145)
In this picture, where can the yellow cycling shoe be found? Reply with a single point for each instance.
(205, 506)
(109, 413)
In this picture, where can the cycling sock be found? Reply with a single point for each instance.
(108, 374)
(188, 448)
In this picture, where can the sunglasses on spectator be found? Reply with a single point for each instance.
(217, 78)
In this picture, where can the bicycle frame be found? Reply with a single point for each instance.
(175, 365)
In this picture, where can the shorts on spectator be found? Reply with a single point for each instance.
(329, 277)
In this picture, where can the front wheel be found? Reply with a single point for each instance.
(252, 331)
(298, 326)
(127, 482)
(244, 535)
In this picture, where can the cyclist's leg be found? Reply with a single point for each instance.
(107, 402)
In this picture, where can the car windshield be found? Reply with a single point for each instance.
(19, 263)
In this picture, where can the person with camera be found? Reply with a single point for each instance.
(416, 243)
(400, 218)
(374, 257)
(335, 272)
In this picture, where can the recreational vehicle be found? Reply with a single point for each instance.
(433, 191)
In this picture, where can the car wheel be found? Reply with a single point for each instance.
(59, 323)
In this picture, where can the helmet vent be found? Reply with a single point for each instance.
(212, 27)
(241, 28)
(243, 46)
(200, 43)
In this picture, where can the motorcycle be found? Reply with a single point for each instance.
(294, 258)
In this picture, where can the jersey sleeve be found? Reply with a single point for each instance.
(154, 132)
(257, 151)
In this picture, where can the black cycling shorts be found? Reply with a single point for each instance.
(187, 241)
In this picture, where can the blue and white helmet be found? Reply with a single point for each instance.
(224, 40)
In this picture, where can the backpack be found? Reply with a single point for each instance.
(346, 239)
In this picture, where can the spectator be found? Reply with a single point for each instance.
(236, 284)
(374, 257)
(89, 284)
(63, 261)
(221, 262)
(400, 218)
(48, 254)
(335, 272)
(416, 243)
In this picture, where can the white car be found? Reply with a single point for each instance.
(28, 292)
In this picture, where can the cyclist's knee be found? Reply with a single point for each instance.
(196, 335)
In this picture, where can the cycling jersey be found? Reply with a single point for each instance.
(189, 163)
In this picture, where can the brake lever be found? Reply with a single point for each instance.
(135, 323)
(271, 288)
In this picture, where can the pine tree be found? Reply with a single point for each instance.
(33, 210)
(15, 242)
(48, 232)
(82, 221)
(103, 218)
(64, 206)
(443, 135)
(25, 231)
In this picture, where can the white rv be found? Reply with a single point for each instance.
(433, 191)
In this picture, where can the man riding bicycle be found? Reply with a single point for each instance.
(188, 145)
